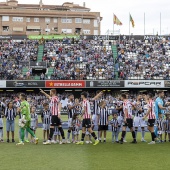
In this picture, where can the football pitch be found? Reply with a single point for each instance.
(84, 157)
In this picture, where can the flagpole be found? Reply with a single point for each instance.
(129, 25)
(113, 23)
(144, 24)
(160, 23)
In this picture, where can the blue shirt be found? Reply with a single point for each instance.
(158, 102)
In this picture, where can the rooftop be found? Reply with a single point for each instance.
(65, 6)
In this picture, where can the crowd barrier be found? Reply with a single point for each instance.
(85, 84)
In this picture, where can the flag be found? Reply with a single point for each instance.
(132, 21)
(116, 20)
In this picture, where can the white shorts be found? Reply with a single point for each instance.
(77, 132)
(33, 128)
(56, 132)
(70, 122)
(160, 132)
(94, 120)
(138, 121)
(120, 120)
(1, 123)
(87, 133)
(46, 126)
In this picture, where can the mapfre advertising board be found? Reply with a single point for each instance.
(144, 83)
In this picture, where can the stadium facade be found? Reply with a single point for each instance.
(37, 19)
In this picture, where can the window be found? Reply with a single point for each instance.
(64, 20)
(5, 18)
(55, 20)
(28, 20)
(66, 31)
(17, 19)
(86, 31)
(56, 29)
(95, 23)
(47, 20)
(5, 28)
(96, 32)
(36, 19)
(78, 20)
(86, 21)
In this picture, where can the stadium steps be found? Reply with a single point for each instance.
(49, 71)
(40, 52)
(115, 55)
(36, 77)
(24, 70)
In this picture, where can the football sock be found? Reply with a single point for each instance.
(22, 134)
(1, 133)
(51, 133)
(94, 136)
(90, 137)
(117, 134)
(136, 131)
(143, 134)
(72, 135)
(26, 134)
(113, 134)
(30, 131)
(156, 131)
(153, 136)
(133, 135)
(98, 134)
(62, 132)
(68, 134)
(123, 135)
(82, 136)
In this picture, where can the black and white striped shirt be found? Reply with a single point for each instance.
(2, 108)
(70, 111)
(10, 114)
(95, 106)
(103, 114)
(160, 123)
(1, 115)
(46, 116)
(78, 109)
(139, 106)
(167, 125)
(120, 104)
(114, 123)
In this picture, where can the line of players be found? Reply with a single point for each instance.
(122, 117)
(125, 113)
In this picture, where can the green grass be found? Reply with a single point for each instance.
(73, 157)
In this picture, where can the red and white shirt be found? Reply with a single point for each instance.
(127, 105)
(54, 106)
(151, 105)
(87, 110)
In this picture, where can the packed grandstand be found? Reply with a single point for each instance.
(82, 59)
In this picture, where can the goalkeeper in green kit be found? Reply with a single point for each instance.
(25, 119)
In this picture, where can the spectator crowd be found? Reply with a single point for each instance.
(88, 59)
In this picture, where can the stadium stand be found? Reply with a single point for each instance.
(70, 59)
(144, 60)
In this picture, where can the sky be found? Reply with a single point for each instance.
(122, 8)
